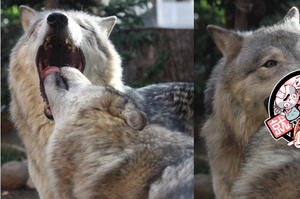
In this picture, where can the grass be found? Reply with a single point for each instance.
(8, 155)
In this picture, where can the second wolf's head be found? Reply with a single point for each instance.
(69, 92)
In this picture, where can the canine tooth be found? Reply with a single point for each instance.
(73, 48)
(49, 111)
(49, 46)
(48, 39)
(45, 46)
(70, 47)
(67, 41)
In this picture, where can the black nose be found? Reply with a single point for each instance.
(57, 20)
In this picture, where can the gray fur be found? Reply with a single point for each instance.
(94, 153)
(237, 89)
(168, 104)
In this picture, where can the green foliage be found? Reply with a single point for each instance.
(153, 73)
(8, 155)
(128, 39)
(206, 54)
(125, 12)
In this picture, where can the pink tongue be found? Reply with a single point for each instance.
(47, 71)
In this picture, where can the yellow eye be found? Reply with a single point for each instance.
(286, 105)
(294, 96)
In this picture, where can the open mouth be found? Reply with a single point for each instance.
(58, 52)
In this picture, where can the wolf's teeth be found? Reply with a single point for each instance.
(67, 41)
(49, 112)
(73, 48)
(48, 39)
(45, 46)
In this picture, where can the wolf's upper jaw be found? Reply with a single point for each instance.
(57, 51)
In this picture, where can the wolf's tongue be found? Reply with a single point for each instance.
(47, 71)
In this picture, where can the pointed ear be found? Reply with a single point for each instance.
(135, 118)
(108, 24)
(292, 15)
(27, 14)
(125, 108)
(229, 42)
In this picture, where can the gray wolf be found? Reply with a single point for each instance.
(243, 79)
(73, 38)
(270, 170)
(102, 147)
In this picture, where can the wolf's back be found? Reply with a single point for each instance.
(168, 104)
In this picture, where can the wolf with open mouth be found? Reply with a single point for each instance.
(57, 38)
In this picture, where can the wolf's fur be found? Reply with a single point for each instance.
(238, 86)
(175, 102)
(271, 169)
(98, 151)
(26, 101)
(103, 67)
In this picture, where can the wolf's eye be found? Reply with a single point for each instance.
(270, 63)
(294, 96)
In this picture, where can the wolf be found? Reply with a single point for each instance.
(270, 169)
(102, 147)
(236, 92)
(75, 38)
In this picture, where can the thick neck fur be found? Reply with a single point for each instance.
(228, 129)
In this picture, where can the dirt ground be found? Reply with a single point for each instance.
(19, 194)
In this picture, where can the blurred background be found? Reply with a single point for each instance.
(240, 15)
(155, 39)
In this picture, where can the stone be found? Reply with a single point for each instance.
(13, 175)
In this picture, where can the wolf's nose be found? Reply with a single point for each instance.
(58, 20)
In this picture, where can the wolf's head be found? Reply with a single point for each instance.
(69, 38)
(253, 63)
(70, 92)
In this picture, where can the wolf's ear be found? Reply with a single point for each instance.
(229, 42)
(122, 107)
(108, 24)
(292, 15)
(27, 14)
(135, 118)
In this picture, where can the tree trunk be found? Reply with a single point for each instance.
(229, 8)
(243, 8)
